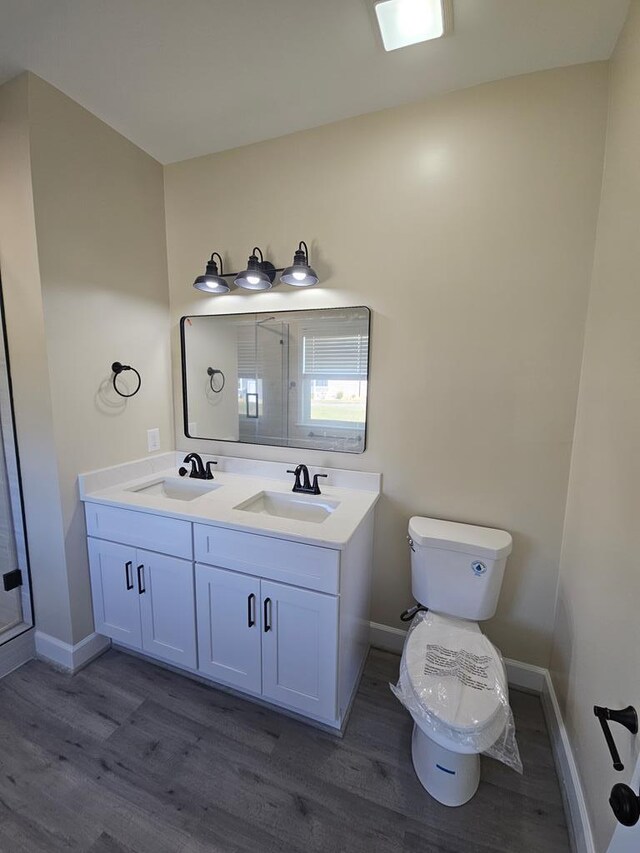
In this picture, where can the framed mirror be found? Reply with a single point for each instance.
(285, 378)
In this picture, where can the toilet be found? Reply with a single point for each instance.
(454, 677)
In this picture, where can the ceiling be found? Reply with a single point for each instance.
(182, 78)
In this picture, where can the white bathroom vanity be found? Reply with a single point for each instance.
(237, 580)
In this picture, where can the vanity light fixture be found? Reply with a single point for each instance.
(259, 274)
(405, 22)
(212, 281)
(300, 274)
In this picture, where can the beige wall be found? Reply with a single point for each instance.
(29, 365)
(99, 216)
(597, 635)
(83, 261)
(467, 224)
(218, 349)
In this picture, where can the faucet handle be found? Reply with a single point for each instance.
(208, 473)
(315, 489)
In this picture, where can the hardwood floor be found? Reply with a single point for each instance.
(128, 757)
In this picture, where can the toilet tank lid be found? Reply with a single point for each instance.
(454, 536)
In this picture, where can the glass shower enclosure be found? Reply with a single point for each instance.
(263, 380)
(16, 614)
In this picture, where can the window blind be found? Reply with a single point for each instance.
(246, 352)
(341, 356)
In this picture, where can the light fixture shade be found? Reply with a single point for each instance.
(255, 277)
(300, 274)
(212, 281)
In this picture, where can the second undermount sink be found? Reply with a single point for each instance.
(180, 490)
(296, 507)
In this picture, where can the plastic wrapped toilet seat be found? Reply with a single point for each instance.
(453, 682)
(471, 703)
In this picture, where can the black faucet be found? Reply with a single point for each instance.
(306, 487)
(198, 470)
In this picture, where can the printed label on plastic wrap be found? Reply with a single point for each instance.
(470, 669)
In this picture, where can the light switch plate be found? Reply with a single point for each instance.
(153, 440)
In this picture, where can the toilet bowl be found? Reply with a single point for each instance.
(456, 721)
(452, 678)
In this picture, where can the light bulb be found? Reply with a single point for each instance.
(300, 276)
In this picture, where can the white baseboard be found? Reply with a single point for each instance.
(573, 795)
(386, 638)
(525, 676)
(68, 657)
(533, 679)
(17, 651)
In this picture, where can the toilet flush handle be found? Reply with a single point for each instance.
(410, 541)
(408, 614)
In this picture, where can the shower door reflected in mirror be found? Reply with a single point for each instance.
(287, 378)
(263, 380)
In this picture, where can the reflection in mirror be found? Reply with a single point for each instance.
(288, 378)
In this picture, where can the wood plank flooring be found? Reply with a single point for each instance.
(126, 757)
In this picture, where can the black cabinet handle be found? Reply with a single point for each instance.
(141, 586)
(251, 610)
(267, 615)
(129, 579)
(626, 717)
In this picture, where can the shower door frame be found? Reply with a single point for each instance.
(16, 654)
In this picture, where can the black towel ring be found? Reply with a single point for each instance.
(117, 369)
(212, 372)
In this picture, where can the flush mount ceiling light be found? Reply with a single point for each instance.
(300, 274)
(212, 281)
(259, 274)
(405, 22)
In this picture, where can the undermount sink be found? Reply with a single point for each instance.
(179, 490)
(296, 507)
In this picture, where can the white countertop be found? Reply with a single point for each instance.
(219, 506)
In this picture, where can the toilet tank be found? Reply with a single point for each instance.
(457, 569)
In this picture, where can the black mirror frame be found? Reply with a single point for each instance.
(183, 359)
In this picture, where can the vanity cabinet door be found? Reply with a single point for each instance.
(116, 607)
(300, 649)
(229, 625)
(167, 607)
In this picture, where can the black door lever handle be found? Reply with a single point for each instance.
(625, 804)
(627, 717)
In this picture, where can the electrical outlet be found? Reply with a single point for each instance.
(153, 440)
